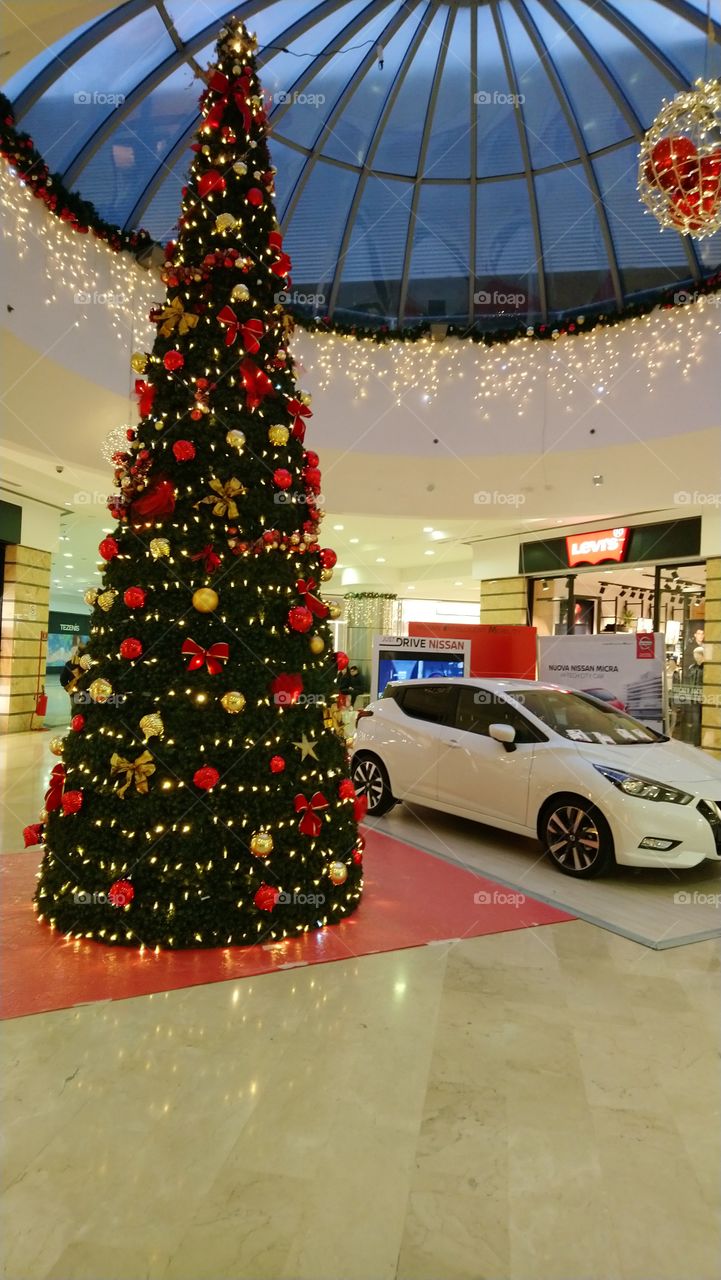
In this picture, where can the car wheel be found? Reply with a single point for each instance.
(576, 837)
(371, 781)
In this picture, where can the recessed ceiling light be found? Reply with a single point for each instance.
(107, 531)
(458, 584)
(380, 560)
(68, 554)
(410, 587)
(429, 553)
(339, 528)
(437, 535)
(428, 528)
(354, 540)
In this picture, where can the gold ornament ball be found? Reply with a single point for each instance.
(261, 844)
(236, 440)
(159, 547)
(90, 596)
(317, 644)
(151, 726)
(326, 575)
(106, 599)
(139, 361)
(100, 690)
(334, 611)
(224, 222)
(278, 435)
(240, 167)
(205, 600)
(338, 872)
(57, 745)
(306, 398)
(240, 293)
(85, 661)
(232, 702)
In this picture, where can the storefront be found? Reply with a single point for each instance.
(629, 578)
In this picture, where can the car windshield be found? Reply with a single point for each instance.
(582, 718)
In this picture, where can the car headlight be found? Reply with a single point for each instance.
(645, 788)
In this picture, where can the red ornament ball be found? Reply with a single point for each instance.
(311, 458)
(211, 181)
(77, 724)
(131, 648)
(266, 897)
(108, 548)
(282, 479)
(206, 778)
(32, 834)
(72, 801)
(134, 597)
(360, 808)
(184, 451)
(312, 477)
(121, 893)
(277, 764)
(346, 790)
(341, 660)
(255, 197)
(358, 857)
(173, 360)
(300, 618)
(328, 558)
(673, 164)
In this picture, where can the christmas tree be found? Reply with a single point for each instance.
(203, 797)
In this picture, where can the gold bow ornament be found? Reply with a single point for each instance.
(174, 316)
(137, 771)
(223, 497)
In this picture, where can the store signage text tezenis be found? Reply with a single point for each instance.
(607, 545)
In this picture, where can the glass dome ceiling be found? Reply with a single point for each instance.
(455, 162)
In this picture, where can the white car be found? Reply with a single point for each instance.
(594, 785)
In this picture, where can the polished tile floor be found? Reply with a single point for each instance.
(538, 1105)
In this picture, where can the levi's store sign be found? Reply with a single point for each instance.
(607, 545)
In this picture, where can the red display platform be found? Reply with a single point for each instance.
(411, 898)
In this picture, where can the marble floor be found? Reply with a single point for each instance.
(537, 1105)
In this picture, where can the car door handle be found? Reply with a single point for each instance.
(453, 742)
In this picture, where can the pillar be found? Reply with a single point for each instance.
(368, 614)
(25, 603)
(711, 707)
(504, 600)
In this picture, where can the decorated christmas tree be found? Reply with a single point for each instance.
(203, 797)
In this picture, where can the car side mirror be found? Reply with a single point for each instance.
(504, 733)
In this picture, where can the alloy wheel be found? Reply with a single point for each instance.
(572, 838)
(369, 782)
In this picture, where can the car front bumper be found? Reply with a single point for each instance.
(694, 828)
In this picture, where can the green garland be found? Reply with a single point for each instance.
(20, 151)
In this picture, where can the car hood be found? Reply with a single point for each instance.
(673, 762)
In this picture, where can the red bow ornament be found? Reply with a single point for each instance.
(257, 384)
(210, 558)
(157, 501)
(228, 317)
(212, 658)
(220, 83)
(299, 411)
(54, 793)
(282, 265)
(311, 824)
(316, 606)
(250, 333)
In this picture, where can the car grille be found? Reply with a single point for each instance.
(711, 810)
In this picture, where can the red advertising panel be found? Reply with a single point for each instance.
(496, 651)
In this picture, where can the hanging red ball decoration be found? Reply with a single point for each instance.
(282, 479)
(134, 597)
(210, 182)
(357, 857)
(77, 724)
(312, 477)
(173, 360)
(157, 501)
(311, 458)
(121, 893)
(672, 164)
(276, 764)
(360, 808)
(266, 897)
(341, 660)
(300, 618)
(328, 558)
(72, 801)
(255, 197)
(184, 451)
(346, 790)
(679, 172)
(206, 777)
(131, 648)
(108, 548)
(32, 834)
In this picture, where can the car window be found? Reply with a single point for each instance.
(585, 719)
(434, 702)
(478, 709)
